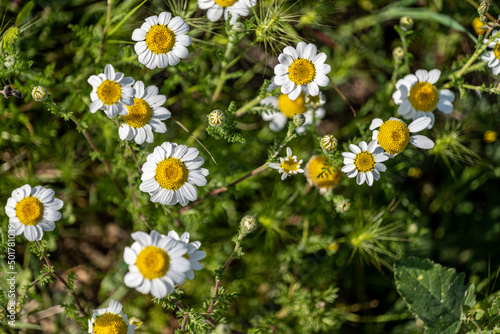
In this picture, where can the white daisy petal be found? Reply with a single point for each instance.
(422, 142)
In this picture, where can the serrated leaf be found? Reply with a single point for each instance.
(433, 293)
(494, 310)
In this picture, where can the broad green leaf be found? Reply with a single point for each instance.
(433, 293)
(24, 13)
(494, 310)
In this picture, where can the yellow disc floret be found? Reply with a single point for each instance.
(290, 108)
(393, 136)
(109, 92)
(424, 96)
(289, 165)
(225, 3)
(139, 114)
(153, 262)
(301, 71)
(29, 210)
(321, 173)
(364, 162)
(496, 51)
(109, 323)
(171, 173)
(160, 39)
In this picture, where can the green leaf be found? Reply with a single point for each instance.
(494, 310)
(433, 293)
(23, 14)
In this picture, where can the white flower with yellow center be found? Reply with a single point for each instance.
(394, 135)
(301, 67)
(193, 254)
(417, 96)
(111, 92)
(145, 115)
(33, 211)
(162, 41)
(492, 56)
(155, 263)
(110, 320)
(217, 8)
(364, 162)
(171, 174)
(288, 165)
(289, 108)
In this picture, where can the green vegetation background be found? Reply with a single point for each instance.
(288, 280)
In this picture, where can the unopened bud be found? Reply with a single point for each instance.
(222, 329)
(299, 119)
(248, 224)
(483, 9)
(342, 206)
(329, 143)
(216, 118)
(9, 61)
(39, 93)
(406, 23)
(135, 321)
(398, 53)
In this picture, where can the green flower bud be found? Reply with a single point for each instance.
(398, 53)
(406, 23)
(39, 93)
(216, 118)
(342, 206)
(299, 119)
(329, 143)
(248, 224)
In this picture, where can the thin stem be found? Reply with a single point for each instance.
(222, 189)
(222, 77)
(475, 56)
(199, 142)
(60, 279)
(250, 105)
(184, 323)
(134, 156)
(235, 60)
(99, 155)
(482, 89)
(217, 282)
(105, 32)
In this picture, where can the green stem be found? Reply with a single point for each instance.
(177, 97)
(474, 57)
(222, 77)
(482, 89)
(106, 28)
(235, 60)
(251, 104)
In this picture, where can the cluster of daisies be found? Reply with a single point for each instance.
(300, 73)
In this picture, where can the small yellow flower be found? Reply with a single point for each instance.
(477, 25)
(490, 136)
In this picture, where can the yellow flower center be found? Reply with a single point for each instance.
(186, 256)
(496, 51)
(139, 114)
(109, 92)
(225, 3)
(490, 136)
(477, 24)
(290, 108)
(424, 96)
(321, 174)
(29, 210)
(171, 173)
(153, 262)
(109, 323)
(160, 39)
(289, 165)
(393, 136)
(301, 71)
(364, 162)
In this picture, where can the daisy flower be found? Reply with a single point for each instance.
(193, 254)
(155, 263)
(301, 67)
(145, 115)
(288, 165)
(417, 96)
(394, 135)
(171, 174)
(303, 104)
(110, 320)
(33, 211)
(365, 162)
(111, 92)
(162, 41)
(216, 8)
(320, 173)
(493, 56)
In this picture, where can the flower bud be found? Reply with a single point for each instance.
(406, 23)
(39, 93)
(299, 119)
(222, 329)
(483, 9)
(9, 62)
(398, 53)
(342, 206)
(329, 143)
(135, 321)
(248, 224)
(216, 118)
